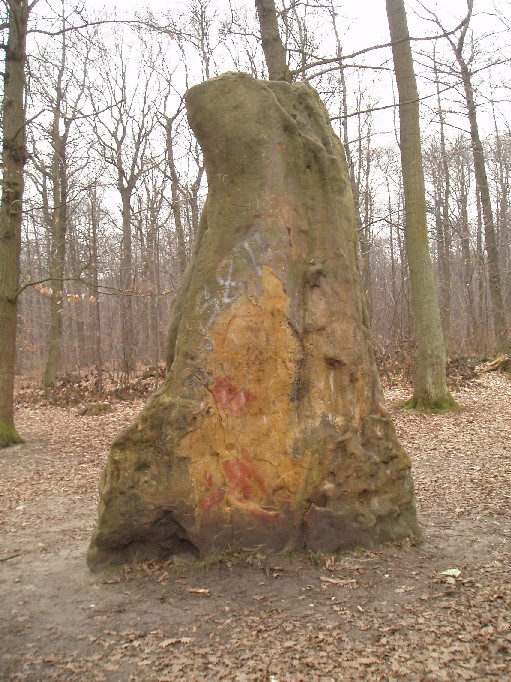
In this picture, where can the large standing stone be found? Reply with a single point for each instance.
(270, 431)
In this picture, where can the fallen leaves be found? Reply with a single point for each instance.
(350, 582)
(397, 613)
(175, 640)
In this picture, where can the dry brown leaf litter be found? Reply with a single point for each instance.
(383, 615)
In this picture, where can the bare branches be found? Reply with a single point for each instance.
(365, 50)
(86, 24)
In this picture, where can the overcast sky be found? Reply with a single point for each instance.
(362, 23)
(369, 16)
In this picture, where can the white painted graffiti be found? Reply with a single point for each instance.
(248, 249)
(212, 304)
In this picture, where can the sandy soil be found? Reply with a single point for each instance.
(382, 615)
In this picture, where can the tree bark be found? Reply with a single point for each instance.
(467, 266)
(14, 156)
(126, 277)
(273, 48)
(95, 214)
(444, 224)
(176, 197)
(57, 256)
(494, 279)
(430, 387)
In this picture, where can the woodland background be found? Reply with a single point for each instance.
(115, 180)
(114, 188)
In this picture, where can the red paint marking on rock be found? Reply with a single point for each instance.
(269, 517)
(211, 500)
(231, 398)
(242, 474)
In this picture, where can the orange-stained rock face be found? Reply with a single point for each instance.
(270, 431)
(247, 408)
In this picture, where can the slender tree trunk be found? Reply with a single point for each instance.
(494, 281)
(443, 255)
(430, 387)
(58, 236)
(126, 272)
(445, 300)
(365, 236)
(155, 298)
(77, 304)
(94, 300)
(273, 48)
(58, 223)
(193, 200)
(392, 267)
(407, 322)
(14, 154)
(176, 198)
(467, 263)
(481, 271)
(503, 223)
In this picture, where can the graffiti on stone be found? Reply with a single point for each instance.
(230, 287)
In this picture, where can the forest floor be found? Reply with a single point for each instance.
(388, 614)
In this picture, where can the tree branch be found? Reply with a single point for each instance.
(332, 60)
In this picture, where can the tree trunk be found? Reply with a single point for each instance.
(494, 280)
(467, 265)
(126, 277)
(430, 387)
(193, 201)
(14, 156)
(270, 430)
(95, 211)
(57, 258)
(176, 198)
(274, 51)
(365, 232)
(482, 303)
(57, 223)
(445, 241)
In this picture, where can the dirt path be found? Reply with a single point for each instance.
(382, 615)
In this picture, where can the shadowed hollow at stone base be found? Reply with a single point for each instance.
(270, 431)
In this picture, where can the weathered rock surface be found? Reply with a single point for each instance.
(270, 431)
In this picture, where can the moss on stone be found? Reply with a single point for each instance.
(269, 430)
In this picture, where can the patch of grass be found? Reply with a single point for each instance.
(318, 558)
(229, 558)
(209, 561)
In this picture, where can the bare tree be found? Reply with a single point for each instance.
(123, 133)
(176, 193)
(430, 385)
(59, 84)
(14, 156)
(494, 278)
